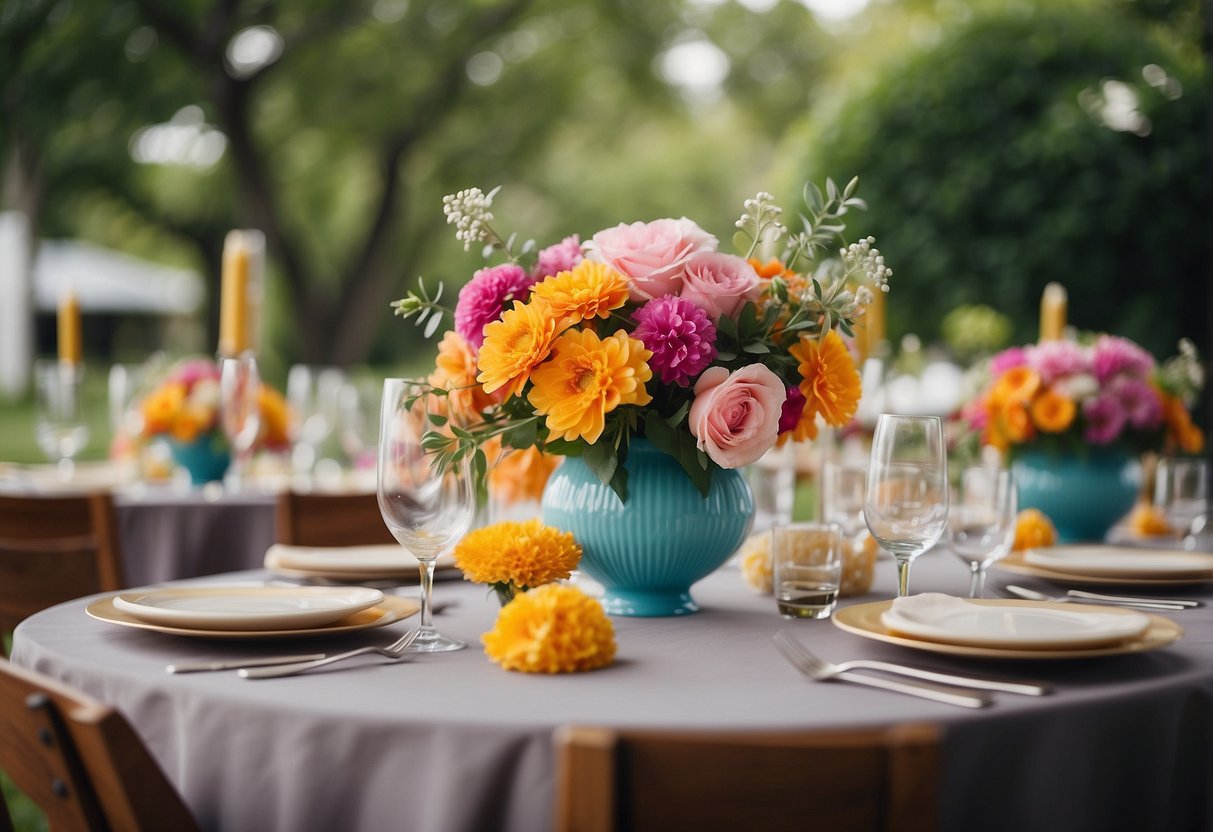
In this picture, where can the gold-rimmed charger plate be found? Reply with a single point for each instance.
(864, 620)
(390, 610)
(1016, 563)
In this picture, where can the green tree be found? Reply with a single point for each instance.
(1031, 145)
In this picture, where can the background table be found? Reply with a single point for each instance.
(450, 742)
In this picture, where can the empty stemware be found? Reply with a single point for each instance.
(60, 428)
(427, 506)
(982, 522)
(240, 409)
(314, 395)
(1181, 490)
(906, 500)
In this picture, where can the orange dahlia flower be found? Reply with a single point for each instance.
(1033, 529)
(590, 290)
(1053, 412)
(455, 370)
(831, 383)
(514, 346)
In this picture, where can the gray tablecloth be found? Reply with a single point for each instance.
(450, 742)
(165, 534)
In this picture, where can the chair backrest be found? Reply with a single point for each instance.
(53, 549)
(80, 760)
(320, 519)
(873, 779)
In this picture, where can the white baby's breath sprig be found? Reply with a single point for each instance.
(759, 222)
(468, 210)
(864, 257)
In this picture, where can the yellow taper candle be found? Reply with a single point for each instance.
(869, 327)
(233, 299)
(1053, 312)
(69, 328)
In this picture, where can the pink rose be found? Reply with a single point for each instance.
(652, 255)
(719, 284)
(735, 416)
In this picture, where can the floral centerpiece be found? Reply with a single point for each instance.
(184, 409)
(647, 338)
(648, 330)
(1062, 407)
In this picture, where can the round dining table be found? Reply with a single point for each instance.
(452, 743)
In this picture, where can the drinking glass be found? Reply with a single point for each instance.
(842, 493)
(906, 500)
(1181, 490)
(807, 563)
(982, 522)
(240, 411)
(427, 508)
(313, 394)
(773, 482)
(59, 426)
(357, 423)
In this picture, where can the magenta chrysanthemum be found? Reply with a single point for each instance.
(1056, 359)
(680, 335)
(561, 257)
(793, 407)
(1141, 404)
(1008, 359)
(1105, 419)
(1113, 354)
(487, 294)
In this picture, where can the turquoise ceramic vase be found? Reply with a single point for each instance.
(1083, 494)
(206, 458)
(648, 552)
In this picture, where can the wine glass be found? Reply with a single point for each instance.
(59, 427)
(313, 394)
(427, 507)
(906, 500)
(843, 485)
(983, 522)
(240, 411)
(1181, 490)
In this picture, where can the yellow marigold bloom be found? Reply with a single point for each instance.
(1018, 384)
(523, 554)
(754, 557)
(1053, 412)
(187, 425)
(1148, 521)
(514, 346)
(831, 383)
(274, 417)
(586, 379)
(1033, 529)
(552, 629)
(590, 290)
(455, 370)
(521, 475)
(161, 407)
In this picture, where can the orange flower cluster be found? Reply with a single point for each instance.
(517, 555)
(552, 629)
(516, 476)
(831, 383)
(1181, 432)
(1033, 530)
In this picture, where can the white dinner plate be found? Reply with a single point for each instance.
(245, 607)
(944, 618)
(864, 620)
(390, 610)
(1121, 561)
(349, 563)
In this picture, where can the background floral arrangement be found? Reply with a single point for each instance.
(648, 330)
(1101, 393)
(185, 406)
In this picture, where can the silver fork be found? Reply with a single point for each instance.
(1024, 688)
(395, 651)
(1033, 595)
(820, 671)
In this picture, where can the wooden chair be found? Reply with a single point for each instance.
(53, 549)
(320, 519)
(80, 760)
(610, 781)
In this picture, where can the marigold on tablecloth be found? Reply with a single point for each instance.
(515, 556)
(1033, 530)
(551, 629)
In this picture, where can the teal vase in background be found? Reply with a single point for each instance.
(1084, 494)
(648, 552)
(206, 458)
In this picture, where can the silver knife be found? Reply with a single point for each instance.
(1078, 593)
(236, 664)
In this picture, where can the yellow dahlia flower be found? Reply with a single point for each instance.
(455, 370)
(1033, 529)
(586, 379)
(590, 290)
(831, 383)
(1053, 412)
(552, 629)
(513, 556)
(514, 346)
